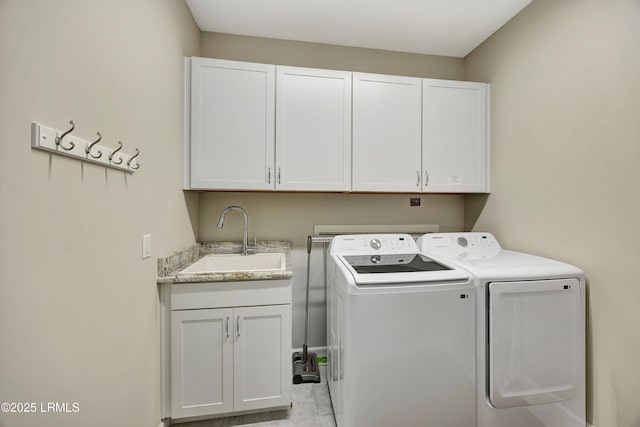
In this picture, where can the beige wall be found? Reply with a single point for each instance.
(316, 55)
(565, 110)
(78, 305)
(292, 216)
(82, 325)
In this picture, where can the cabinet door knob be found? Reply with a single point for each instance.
(269, 176)
(418, 183)
(278, 175)
(238, 326)
(227, 326)
(426, 178)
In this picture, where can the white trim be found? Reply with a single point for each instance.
(488, 148)
(186, 126)
(165, 423)
(165, 350)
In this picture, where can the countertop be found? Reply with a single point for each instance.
(169, 267)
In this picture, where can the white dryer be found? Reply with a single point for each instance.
(530, 332)
(401, 335)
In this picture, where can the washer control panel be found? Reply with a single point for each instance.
(374, 244)
(460, 245)
(462, 241)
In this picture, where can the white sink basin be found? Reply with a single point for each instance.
(226, 263)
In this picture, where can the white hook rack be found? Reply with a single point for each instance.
(66, 144)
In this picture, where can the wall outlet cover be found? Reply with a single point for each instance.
(146, 246)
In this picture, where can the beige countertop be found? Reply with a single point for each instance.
(169, 267)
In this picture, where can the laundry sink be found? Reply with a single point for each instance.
(227, 263)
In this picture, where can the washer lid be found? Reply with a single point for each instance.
(414, 269)
(390, 259)
(513, 265)
(400, 263)
(482, 255)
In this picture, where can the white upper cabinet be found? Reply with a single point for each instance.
(253, 126)
(313, 130)
(386, 133)
(455, 151)
(232, 125)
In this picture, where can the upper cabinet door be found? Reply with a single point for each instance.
(313, 130)
(232, 125)
(455, 136)
(386, 133)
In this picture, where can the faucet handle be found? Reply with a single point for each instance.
(253, 247)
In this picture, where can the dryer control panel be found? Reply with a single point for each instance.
(460, 245)
(374, 244)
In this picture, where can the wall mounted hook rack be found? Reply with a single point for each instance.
(51, 140)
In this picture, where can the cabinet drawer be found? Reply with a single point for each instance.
(190, 296)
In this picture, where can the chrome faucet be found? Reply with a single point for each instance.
(245, 226)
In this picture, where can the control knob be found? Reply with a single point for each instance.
(375, 243)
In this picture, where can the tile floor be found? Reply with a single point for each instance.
(311, 408)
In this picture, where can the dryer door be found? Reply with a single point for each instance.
(533, 341)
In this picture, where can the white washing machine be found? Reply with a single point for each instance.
(530, 332)
(401, 335)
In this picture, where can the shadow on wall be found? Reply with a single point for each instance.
(473, 206)
(192, 202)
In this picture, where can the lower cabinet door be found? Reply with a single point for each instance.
(201, 362)
(262, 357)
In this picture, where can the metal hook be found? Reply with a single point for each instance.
(88, 149)
(114, 152)
(59, 138)
(136, 165)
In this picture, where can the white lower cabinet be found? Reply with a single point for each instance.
(229, 359)
(262, 357)
(201, 362)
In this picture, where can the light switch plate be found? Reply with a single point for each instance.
(146, 246)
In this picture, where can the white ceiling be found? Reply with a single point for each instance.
(436, 27)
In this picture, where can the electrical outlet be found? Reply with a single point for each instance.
(146, 246)
(414, 201)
